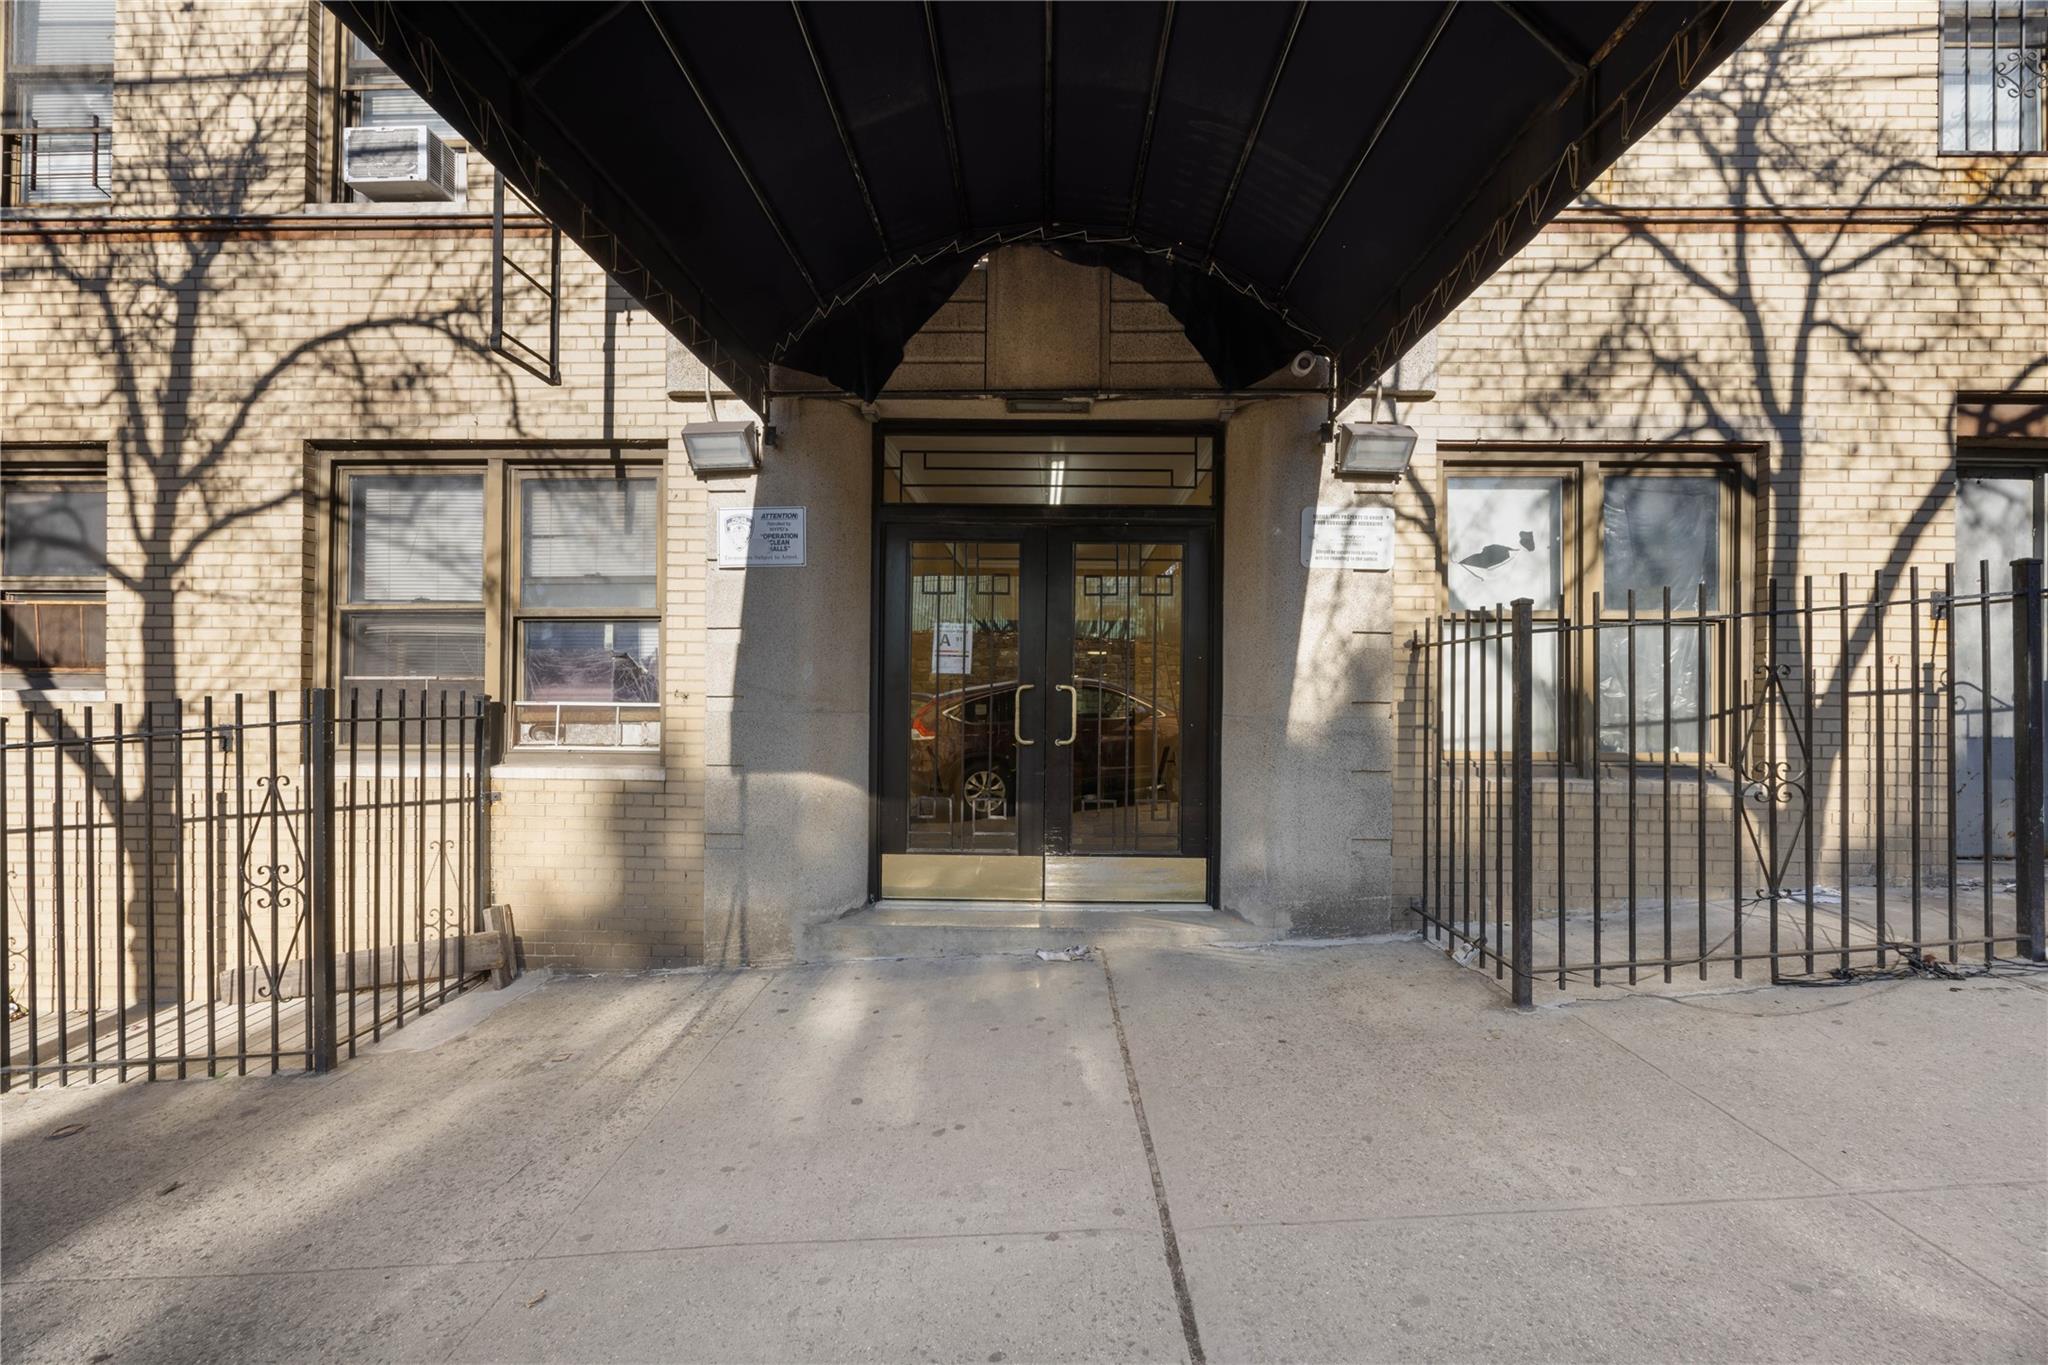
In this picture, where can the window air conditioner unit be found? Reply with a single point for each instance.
(403, 163)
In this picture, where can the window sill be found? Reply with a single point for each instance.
(59, 208)
(583, 768)
(25, 695)
(1649, 778)
(402, 208)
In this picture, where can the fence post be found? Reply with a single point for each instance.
(2027, 736)
(489, 716)
(1522, 884)
(322, 1044)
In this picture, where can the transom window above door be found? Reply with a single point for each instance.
(1612, 536)
(1048, 469)
(537, 584)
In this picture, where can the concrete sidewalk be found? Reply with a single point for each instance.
(1349, 1153)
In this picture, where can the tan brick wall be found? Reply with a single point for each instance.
(1785, 263)
(218, 339)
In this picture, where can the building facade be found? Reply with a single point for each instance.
(1055, 619)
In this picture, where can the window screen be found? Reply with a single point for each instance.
(587, 543)
(416, 652)
(416, 538)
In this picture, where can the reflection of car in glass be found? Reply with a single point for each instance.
(965, 743)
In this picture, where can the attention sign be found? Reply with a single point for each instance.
(761, 537)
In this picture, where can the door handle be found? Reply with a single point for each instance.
(1073, 713)
(1017, 717)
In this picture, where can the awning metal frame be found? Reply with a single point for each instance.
(1592, 118)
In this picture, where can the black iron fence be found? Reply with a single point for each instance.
(251, 882)
(1667, 787)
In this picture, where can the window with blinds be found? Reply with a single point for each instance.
(415, 541)
(56, 131)
(374, 96)
(559, 615)
(587, 543)
(587, 673)
(418, 538)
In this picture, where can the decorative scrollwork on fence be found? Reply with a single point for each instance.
(273, 883)
(17, 951)
(1772, 769)
(442, 920)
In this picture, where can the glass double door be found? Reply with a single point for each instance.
(1044, 714)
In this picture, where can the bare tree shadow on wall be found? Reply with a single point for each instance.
(209, 339)
(1819, 268)
(1734, 326)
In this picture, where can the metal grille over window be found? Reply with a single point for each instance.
(53, 594)
(56, 135)
(1991, 75)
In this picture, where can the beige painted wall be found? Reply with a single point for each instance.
(1306, 759)
(787, 687)
(216, 327)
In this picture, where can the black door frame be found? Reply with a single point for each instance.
(892, 760)
(1013, 522)
(1198, 652)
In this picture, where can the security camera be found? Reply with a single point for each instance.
(1303, 365)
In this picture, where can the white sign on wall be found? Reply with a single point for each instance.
(1347, 538)
(757, 537)
(952, 647)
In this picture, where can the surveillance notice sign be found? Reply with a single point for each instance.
(1347, 538)
(761, 537)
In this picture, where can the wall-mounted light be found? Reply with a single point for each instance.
(1373, 450)
(722, 448)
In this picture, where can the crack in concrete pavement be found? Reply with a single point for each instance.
(1183, 1299)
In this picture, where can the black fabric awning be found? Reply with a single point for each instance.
(805, 184)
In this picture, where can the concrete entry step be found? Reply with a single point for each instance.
(953, 929)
